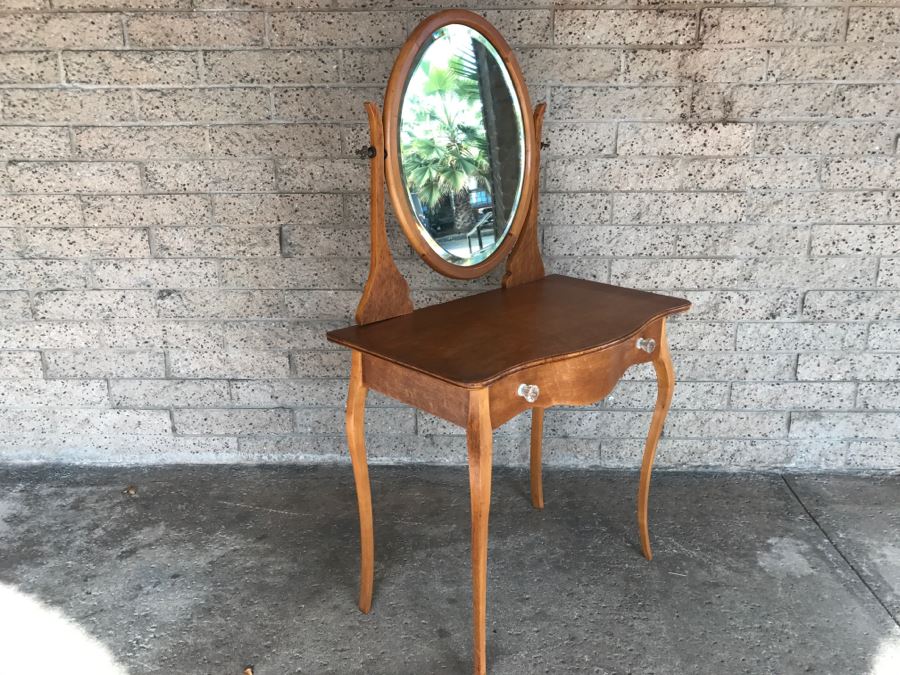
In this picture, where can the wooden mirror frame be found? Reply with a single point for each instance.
(396, 88)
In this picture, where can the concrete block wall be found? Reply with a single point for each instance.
(183, 215)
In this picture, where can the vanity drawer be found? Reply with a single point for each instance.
(580, 379)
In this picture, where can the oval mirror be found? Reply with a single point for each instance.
(460, 150)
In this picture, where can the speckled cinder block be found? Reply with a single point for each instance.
(793, 395)
(822, 207)
(879, 395)
(228, 363)
(856, 173)
(103, 363)
(846, 138)
(218, 304)
(338, 29)
(860, 366)
(145, 273)
(276, 66)
(53, 393)
(14, 305)
(579, 139)
(751, 273)
(612, 102)
(889, 273)
(216, 242)
(845, 425)
(232, 104)
(285, 335)
(38, 210)
(254, 210)
(800, 337)
(742, 240)
(152, 333)
(834, 63)
(754, 25)
(326, 242)
(625, 27)
(292, 273)
(569, 66)
(326, 175)
(67, 106)
(751, 173)
(743, 305)
(585, 240)
(29, 68)
(885, 336)
(660, 208)
(293, 392)
(50, 335)
(322, 305)
(333, 104)
(92, 304)
(762, 101)
(42, 274)
(61, 30)
(874, 25)
(230, 422)
(145, 210)
(855, 240)
(74, 177)
(172, 393)
(130, 68)
(684, 139)
(275, 140)
(672, 66)
(22, 142)
(615, 173)
(852, 305)
(196, 29)
(85, 242)
(184, 214)
(138, 143)
(585, 208)
(211, 176)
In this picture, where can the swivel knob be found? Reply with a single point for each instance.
(648, 345)
(529, 392)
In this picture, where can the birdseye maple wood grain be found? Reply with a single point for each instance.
(464, 360)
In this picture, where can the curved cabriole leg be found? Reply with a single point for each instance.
(479, 438)
(537, 482)
(356, 439)
(665, 380)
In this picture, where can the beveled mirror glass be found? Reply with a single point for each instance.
(461, 145)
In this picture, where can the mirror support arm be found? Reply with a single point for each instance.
(524, 264)
(386, 293)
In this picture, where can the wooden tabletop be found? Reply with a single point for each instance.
(478, 339)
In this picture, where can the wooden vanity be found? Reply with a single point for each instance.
(537, 342)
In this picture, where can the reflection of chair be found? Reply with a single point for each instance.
(486, 222)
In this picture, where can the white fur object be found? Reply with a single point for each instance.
(38, 640)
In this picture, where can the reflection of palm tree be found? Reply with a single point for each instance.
(447, 146)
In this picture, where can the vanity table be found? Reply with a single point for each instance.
(458, 145)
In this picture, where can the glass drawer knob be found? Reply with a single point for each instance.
(529, 392)
(648, 345)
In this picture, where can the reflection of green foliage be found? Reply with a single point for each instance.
(444, 137)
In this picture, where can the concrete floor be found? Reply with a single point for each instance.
(204, 570)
